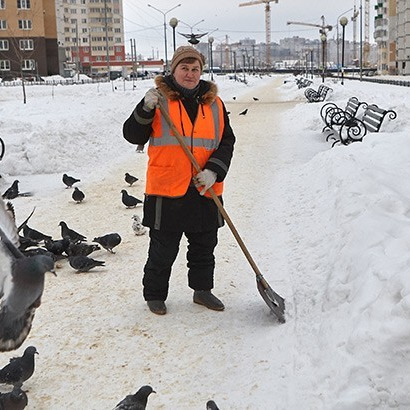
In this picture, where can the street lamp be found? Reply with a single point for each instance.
(323, 38)
(337, 40)
(243, 62)
(211, 64)
(173, 23)
(164, 13)
(343, 21)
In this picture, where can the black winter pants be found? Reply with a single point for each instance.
(163, 250)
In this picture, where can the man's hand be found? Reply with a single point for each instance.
(151, 99)
(205, 178)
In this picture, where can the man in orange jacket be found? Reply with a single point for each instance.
(176, 201)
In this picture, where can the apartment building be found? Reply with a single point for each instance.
(90, 35)
(28, 38)
(403, 37)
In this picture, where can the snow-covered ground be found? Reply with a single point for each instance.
(328, 227)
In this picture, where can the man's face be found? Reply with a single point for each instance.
(187, 75)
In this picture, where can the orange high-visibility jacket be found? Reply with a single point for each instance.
(170, 170)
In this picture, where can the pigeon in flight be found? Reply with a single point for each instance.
(83, 263)
(21, 284)
(109, 241)
(69, 181)
(19, 369)
(13, 191)
(81, 248)
(243, 112)
(14, 400)
(128, 200)
(130, 179)
(72, 235)
(137, 226)
(78, 196)
(211, 405)
(137, 401)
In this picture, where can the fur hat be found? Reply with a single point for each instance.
(186, 52)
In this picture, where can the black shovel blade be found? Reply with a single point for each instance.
(275, 302)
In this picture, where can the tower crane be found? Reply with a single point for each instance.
(267, 22)
(354, 18)
(366, 45)
(324, 28)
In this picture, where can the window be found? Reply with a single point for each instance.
(4, 45)
(4, 65)
(2, 4)
(23, 4)
(25, 24)
(85, 39)
(28, 65)
(3, 25)
(26, 44)
(84, 21)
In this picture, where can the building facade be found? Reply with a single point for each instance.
(403, 37)
(28, 38)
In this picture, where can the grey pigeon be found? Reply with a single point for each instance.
(21, 284)
(13, 191)
(128, 200)
(19, 369)
(73, 235)
(14, 400)
(81, 248)
(137, 401)
(137, 226)
(109, 241)
(211, 405)
(78, 196)
(83, 263)
(69, 181)
(57, 247)
(130, 179)
(33, 234)
(244, 112)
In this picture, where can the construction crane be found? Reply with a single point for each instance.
(354, 18)
(366, 45)
(324, 28)
(267, 23)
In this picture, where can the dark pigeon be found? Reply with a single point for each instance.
(26, 243)
(255, 99)
(19, 369)
(57, 247)
(78, 196)
(109, 241)
(73, 235)
(21, 284)
(34, 235)
(130, 179)
(69, 181)
(14, 400)
(81, 248)
(211, 405)
(128, 200)
(234, 98)
(83, 263)
(13, 191)
(243, 112)
(137, 401)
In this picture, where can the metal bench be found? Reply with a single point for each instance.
(319, 95)
(2, 149)
(303, 82)
(354, 129)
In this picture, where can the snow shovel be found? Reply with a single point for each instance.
(275, 302)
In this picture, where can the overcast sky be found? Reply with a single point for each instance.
(146, 25)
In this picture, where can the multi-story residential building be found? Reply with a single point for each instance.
(28, 38)
(403, 37)
(90, 34)
(381, 34)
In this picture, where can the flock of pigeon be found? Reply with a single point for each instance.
(26, 255)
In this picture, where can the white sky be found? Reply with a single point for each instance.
(145, 24)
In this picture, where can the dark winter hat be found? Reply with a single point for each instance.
(186, 52)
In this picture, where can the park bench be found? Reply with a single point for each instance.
(355, 129)
(319, 95)
(2, 149)
(303, 82)
(334, 116)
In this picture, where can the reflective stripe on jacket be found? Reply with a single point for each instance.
(170, 171)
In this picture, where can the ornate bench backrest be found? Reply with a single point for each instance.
(373, 117)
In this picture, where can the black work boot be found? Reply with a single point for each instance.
(207, 299)
(157, 306)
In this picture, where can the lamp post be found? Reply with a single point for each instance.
(234, 63)
(311, 63)
(173, 23)
(337, 39)
(323, 38)
(243, 62)
(164, 13)
(211, 63)
(343, 21)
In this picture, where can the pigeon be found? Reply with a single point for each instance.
(14, 400)
(211, 405)
(13, 191)
(57, 247)
(83, 263)
(243, 112)
(128, 200)
(137, 226)
(255, 99)
(130, 179)
(21, 284)
(109, 241)
(34, 235)
(19, 369)
(73, 235)
(78, 196)
(26, 243)
(81, 248)
(69, 181)
(137, 401)
(234, 98)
